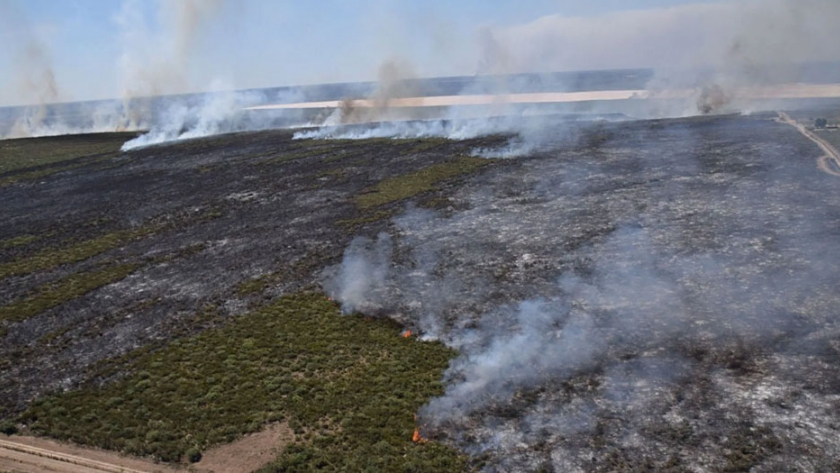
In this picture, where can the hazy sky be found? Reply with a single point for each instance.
(101, 48)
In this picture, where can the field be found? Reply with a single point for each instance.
(640, 295)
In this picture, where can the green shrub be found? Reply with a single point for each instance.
(348, 386)
(409, 185)
(194, 455)
(8, 428)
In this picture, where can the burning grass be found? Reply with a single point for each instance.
(347, 385)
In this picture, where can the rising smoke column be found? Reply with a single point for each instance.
(708, 58)
(34, 79)
(160, 63)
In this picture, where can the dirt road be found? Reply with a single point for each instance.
(23, 454)
(25, 458)
(788, 91)
(830, 163)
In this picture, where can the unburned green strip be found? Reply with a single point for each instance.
(67, 289)
(409, 185)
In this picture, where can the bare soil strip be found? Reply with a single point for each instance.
(788, 91)
(248, 453)
(31, 454)
(25, 456)
(830, 163)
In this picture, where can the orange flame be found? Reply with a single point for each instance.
(417, 438)
(406, 334)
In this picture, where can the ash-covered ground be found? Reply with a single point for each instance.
(108, 251)
(640, 295)
(650, 295)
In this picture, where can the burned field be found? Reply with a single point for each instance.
(644, 295)
(110, 258)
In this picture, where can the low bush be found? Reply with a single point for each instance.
(334, 378)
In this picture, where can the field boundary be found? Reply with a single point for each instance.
(63, 457)
(824, 163)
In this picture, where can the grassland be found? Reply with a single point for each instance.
(347, 385)
(21, 240)
(26, 153)
(55, 294)
(53, 257)
(409, 185)
(74, 252)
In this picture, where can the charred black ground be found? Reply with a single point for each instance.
(106, 253)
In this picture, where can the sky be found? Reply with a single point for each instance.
(91, 49)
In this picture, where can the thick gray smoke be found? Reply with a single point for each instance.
(596, 284)
(161, 63)
(393, 82)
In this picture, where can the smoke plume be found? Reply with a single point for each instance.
(34, 80)
(599, 284)
(709, 58)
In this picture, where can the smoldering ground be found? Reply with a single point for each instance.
(661, 297)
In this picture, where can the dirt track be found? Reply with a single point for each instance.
(831, 154)
(757, 93)
(20, 457)
(31, 454)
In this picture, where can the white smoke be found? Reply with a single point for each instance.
(363, 272)
(535, 313)
(214, 114)
(709, 58)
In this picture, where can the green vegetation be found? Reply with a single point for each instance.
(8, 428)
(348, 386)
(55, 294)
(285, 157)
(409, 185)
(52, 258)
(17, 241)
(353, 224)
(422, 145)
(256, 285)
(51, 337)
(39, 173)
(26, 153)
(831, 136)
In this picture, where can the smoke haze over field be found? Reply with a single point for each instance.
(34, 78)
(597, 296)
(162, 47)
